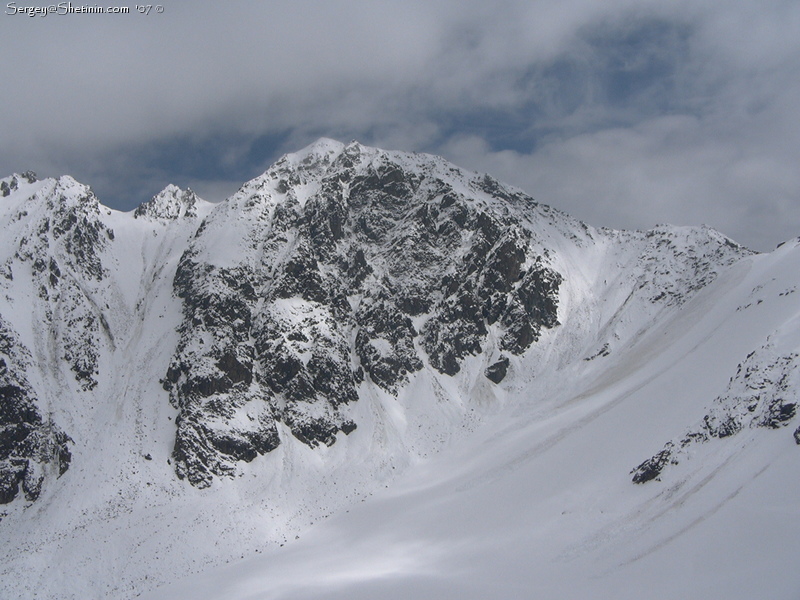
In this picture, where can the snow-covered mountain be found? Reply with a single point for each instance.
(478, 394)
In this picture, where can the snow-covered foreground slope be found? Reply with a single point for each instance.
(373, 373)
(539, 502)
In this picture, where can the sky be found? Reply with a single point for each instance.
(623, 113)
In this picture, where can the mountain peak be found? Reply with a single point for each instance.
(169, 204)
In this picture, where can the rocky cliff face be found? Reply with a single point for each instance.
(31, 446)
(66, 318)
(353, 266)
(54, 244)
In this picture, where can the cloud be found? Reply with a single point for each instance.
(684, 118)
(657, 172)
(623, 112)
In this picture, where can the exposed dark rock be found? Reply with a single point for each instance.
(10, 476)
(208, 443)
(385, 343)
(170, 204)
(722, 427)
(301, 277)
(755, 398)
(357, 269)
(538, 294)
(12, 183)
(458, 331)
(604, 351)
(311, 431)
(779, 414)
(652, 467)
(28, 444)
(83, 235)
(496, 372)
(234, 370)
(67, 235)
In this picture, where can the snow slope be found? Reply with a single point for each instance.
(539, 502)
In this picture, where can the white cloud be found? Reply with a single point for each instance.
(667, 170)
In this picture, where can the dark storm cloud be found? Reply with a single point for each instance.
(623, 113)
